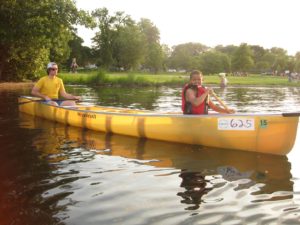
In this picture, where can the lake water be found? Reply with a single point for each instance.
(56, 174)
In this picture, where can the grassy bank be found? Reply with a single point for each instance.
(139, 79)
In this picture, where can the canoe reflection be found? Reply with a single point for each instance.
(194, 162)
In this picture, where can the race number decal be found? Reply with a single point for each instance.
(236, 123)
(263, 123)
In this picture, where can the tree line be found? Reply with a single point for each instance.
(32, 34)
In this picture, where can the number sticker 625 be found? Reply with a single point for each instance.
(236, 123)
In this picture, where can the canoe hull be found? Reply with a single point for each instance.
(266, 133)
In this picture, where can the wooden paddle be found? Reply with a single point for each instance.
(220, 101)
(35, 99)
(31, 100)
(41, 100)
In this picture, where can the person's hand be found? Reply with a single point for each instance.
(47, 98)
(78, 98)
(230, 111)
(209, 90)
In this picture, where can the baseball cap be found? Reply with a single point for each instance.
(51, 64)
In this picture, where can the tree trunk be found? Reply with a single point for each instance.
(3, 61)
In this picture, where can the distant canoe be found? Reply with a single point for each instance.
(265, 133)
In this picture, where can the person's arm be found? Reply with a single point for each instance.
(66, 95)
(191, 97)
(220, 109)
(36, 92)
(63, 93)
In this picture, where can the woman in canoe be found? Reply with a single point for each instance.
(195, 98)
(50, 87)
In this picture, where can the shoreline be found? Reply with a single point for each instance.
(9, 85)
(26, 84)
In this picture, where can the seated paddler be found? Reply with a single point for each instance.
(50, 87)
(196, 98)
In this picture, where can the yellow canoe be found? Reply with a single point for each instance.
(265, 133)
(231, 164)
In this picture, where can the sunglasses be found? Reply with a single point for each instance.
(53, 69)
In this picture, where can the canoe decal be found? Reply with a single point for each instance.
(236, 123)
(263, 123)
(86, 115)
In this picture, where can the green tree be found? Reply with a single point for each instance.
(242, 60)
(119, 42)
(281, 59)
(154, 55)
(259, 64)
(83, 54)
(129, 47)
(32, 33)
(186, 56)
(228, 50)
(103, 38)
(214, 62)
(297, 62)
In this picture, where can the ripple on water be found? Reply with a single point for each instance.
(117, 190)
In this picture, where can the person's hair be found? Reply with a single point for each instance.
(48, 69)
(195, 72)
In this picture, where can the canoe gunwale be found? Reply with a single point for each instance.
(170, 114)
(143, 113)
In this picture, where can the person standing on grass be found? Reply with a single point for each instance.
(195, 97)
(224, 80)
(50, 87)
(74, 66)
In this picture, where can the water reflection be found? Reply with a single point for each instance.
(22, 173)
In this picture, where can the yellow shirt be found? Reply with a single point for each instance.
(50, 87)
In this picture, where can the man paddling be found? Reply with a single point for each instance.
(50, 87)
(195, 98)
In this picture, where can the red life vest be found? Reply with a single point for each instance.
(200, 109)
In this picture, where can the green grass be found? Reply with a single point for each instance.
(97, 78)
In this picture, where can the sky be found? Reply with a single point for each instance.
(267, 23)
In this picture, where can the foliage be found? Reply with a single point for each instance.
(83, 54)
(184, 56)
(32, 34)
(103, 38)
(297, 62)
(242, 59)
(128, 47)
(214, 62)
(119, 43)
(154, 54)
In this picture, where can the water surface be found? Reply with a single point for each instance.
(56, 174)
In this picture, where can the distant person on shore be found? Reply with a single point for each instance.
(195, 97)
(224, 81)
(74, 66)
(50, 87)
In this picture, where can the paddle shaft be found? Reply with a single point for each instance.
(220, 101)
(41, 100)
(36, 100)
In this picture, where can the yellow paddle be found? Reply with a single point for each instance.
(220, 101)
